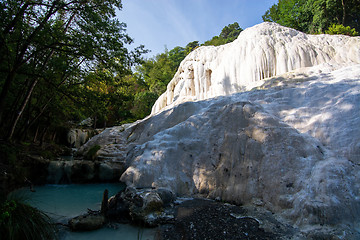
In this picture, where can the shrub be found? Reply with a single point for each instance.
(19, 220)
(11, 163)
(341, 29)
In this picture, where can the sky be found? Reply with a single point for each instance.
(169, 23)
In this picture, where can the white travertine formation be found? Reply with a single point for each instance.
(291, 145)
(260, 52)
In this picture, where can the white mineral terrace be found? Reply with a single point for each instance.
(291, 145)
(260, 52)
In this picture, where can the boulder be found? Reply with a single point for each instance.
(166, 195)
(144, 206)
(112, 144)
(118, 209)
(77, 137)
(140, 206)
(87, 222)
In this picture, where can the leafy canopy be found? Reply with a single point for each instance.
(228, 34)
(50, 52)
(315, 16)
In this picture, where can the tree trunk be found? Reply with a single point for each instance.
(26, 100)
(43, 136)
(53, 136)
(30, 123)
(36, 134)
(95, 119)
(20, 57)
(344, 12)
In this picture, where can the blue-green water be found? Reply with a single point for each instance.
(62, 202)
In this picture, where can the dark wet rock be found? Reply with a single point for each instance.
(146, 208)
(118, 209)
(83, 171)
(166, 195)
(87, 222)
(108, 171)
(143, 207)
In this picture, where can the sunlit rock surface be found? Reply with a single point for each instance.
(290, 145)
(262, 51)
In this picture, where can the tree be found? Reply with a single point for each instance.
(50, 45)
(228, 34)
(157, 72)
(177, 54)
(215, 41)
(143, 103)
(231, 32)
(290, 13)
(314, 16)
(191, 46)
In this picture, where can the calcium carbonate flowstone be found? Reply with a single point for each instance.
(290, 145)
(259, 52)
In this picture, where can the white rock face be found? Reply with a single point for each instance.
(260, 52)
(291, 145)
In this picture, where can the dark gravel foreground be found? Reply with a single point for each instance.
(204, 219)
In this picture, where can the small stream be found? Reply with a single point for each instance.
(62, 202)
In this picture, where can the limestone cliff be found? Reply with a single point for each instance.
(291, 145)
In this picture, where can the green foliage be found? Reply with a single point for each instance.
(19, 220)
(15, 171)
(157, 72)
(231, 32)
(289, 13)
(47, 154)
(215, 41)
(228, 34)
(143, 103)
(191, 46)
(8, 153)
(91, 154)
(177, 54)
(341, 29)
(47, 49)
(314, 16)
